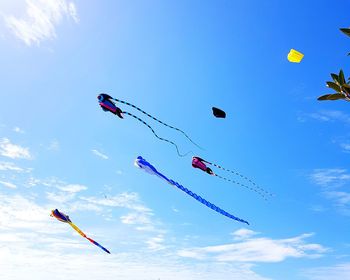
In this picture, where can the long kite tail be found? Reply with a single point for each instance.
(78, 230)
(149, 168)
(263, 194)
(207, 203)
(160, 138)
(97, 244)
(163, 123)
(84, 235)
(261, 190)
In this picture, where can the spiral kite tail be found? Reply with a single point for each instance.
(163, 123)
(207, 203)
(243, 185)
(160, 138)
(242, 176)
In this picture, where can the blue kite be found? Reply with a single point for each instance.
(149, 168)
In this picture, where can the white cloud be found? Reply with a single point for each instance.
(7, 149)
(330, 177)
(156, 243)
(141, 217)
(17, 213)
(341, 200)
(18, 130)
(318, 208)
(54, 146)
(330, 116)
(243, 233)
(60, 197)
(72, 188)
(333, 183)
(125, 200)
(33, 243)
(41, 19)
(336, 272)
(136, 218)
(8, 185)
(257, 250)
(20, 260)
(9, 166)
(99, 154)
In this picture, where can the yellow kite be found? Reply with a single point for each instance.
(295, 56)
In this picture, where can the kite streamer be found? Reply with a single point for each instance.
(149, 168)
(199, 163)
(107, 104)
(65, 219)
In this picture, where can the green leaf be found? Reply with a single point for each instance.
(335, 78)
(341, 77)
(334, 86)
(346, 88)
(335, 96)
(346, 31)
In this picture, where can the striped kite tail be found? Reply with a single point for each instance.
(163, 123)
(160, 138)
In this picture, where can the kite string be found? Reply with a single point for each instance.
(139, 109)
(206, 203)
(160, 138)
(243, 185)
(242, 176)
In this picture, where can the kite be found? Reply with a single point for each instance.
(200, 163)
(149, 168)
(65, 219)
(295, 56)
(107, 104)
(218, 113)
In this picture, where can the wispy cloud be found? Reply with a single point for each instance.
(345, 147)
(18, 130)
(156, 243)
(7, 149)
(72, 188)
(136, 218)
(42, 264)
(41, 20)
(30, 236)
(243, 233)
(327, 116)
(141, 217)
(54, 145)
(257, 250)
(341, 200)
(99, 154)
(18, 212)
(8, 185)
(10, 166)
(129, 200)
(333, 183)
(336, 272)
(318, 208)
(330, 177)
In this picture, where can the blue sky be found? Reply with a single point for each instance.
(175, 60)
